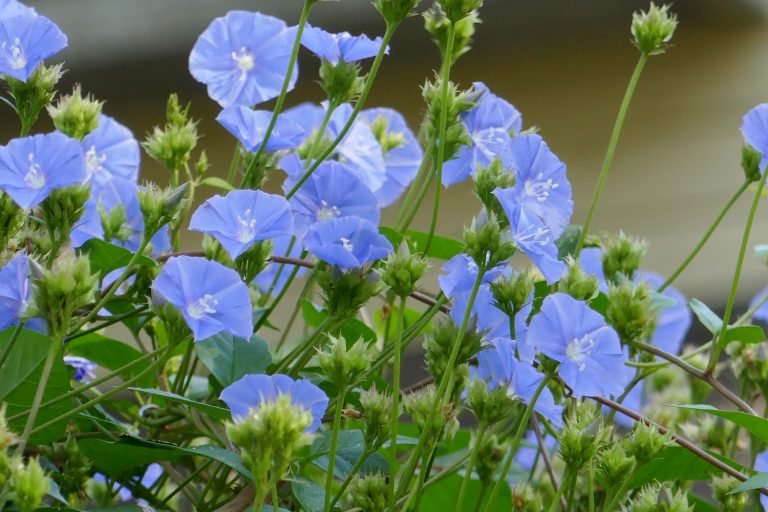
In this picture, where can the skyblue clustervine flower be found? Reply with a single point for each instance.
(83, 368)
(210, 296)
(339, 47)
(347, 242)
(275, 274)
(111, 151)
(535, 239)
(754, 128)
(243, 58)
(14, 290)
(250, 126)
(250, 392)
(242, 218)
(26, 39)
(589, 351)
(31, 167)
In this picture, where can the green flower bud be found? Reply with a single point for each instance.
(489, 406)
(438, 345)
(456, 10)
(30, 485)
(613, 466)
(645, 442)
(622, 254)
(489, 457)
(631, 311)
(343, 365)
(74, 466)
(486, 243)
(36, 93)
(11, 219)
(419, 406)
(346, 292)
(368, 493)
(172, 145)
(75, 115)
(750, 362)
(61, 210)
(525, 499)
(658, 498)
(582, 437)
(63, 289)
(7, 437)
(160, 206)
(577, 283)
(341, 82)
(254, 260)
(721, 487)
(402, 271)
(436, 22)
(395, 11)
(750, 163)
(387, 140)
(488, 179)
(510, 294)
(457, 102)
(652, 30)
(377, 409)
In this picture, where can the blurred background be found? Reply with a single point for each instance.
(563, 64)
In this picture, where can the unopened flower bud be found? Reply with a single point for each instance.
(436, 23)
(11, 219)
(486, 242)
(63, 289)
(62, 209)
(369, 492)
(32, 96)
(652, 30)
(721, 492)
(254, 260)
(75, 115)
(613, 466)
(456, 10)
(341, 82)
(419, 406)
(511, 294)
(347, 291)
(377, 408)
(525, 499)
(30, 485)
(172, 144)
(438, 345)
(631, 311)
(645, 442)
(622, 254)
(488, 179)
(489, 406)
(202, 164)
(750, 163)
(7, 437)
(489, 457)
(659, 498)
(577, 283)
(402, 271)
(582, 437)
(395, 11)
(344, 365)
(457, 102)
(160, 206)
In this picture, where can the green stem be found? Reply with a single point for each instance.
(53, 352)
(617, 126)
(304, 346)
(358, 464)
(571, 491)
(470, 466)
(418, 184)
(718, 345)
(705, 238)
(334, 445)
(11, 342)
(321, 132)
(186, 481)
(275, 496)
(559, 494)
(303, 17)
(618, 495)
(481, 496)
(358, 107)
(280, 295)
(396, 400)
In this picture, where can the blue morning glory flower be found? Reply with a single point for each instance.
(14, 290)
(210, 296)
(12, 8)
(242, 218)
(275, 275)
(251, 391)
(589, 352)
(333, 191)
(460, 273)
(401, 162)
(88, 226)
(31, 167)
(111, 151)
(243, 58)
(83, 368)
(339, 47)
(491, 322)
(347, 242)
(761, 313)
(489, 125)
(761, 465)
(755, 131)
(249, 127)
(498, 366)
(27, 39)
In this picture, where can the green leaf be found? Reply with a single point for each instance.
(674, 463)
(109, 353)
(745, 334)
(106, 257)
(757, 481)
(352, 329)
(310, 496)
(445, 493)
(19, 379)
(394, 237)
(567, 242)
(441, 247)
(217, 413)
(754, 424)
(706, 316)
(216, 182)
(230, 358)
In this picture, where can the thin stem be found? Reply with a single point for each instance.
(53, 352)
(705, 238)
(545, 456)
(614, 141)
(321, 132)
(334, 445)
(275, 495)
(470, 466)
(559, 494)
(619, 494)
(11, 342)
(305, 345)
(358, 107)
(186, 481)
(591, 488)
(396, 399)
(358, 464)
(719, 343)
(412, 189)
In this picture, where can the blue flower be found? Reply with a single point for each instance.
(111, 151)
(249, 127)
(761, 466)
(242, 218)
(12, 8)
(755, 131)
(489, 125)
(243, 58)
(460, 274)
(528, 453)
(275, 276)
(401, 162)
(347, 242)
(83, 368)
(589, 352)
(252, 391)
(761, 313)
(339, 47)
(117, 193)
(14, 290)
(152, 474)
(31, 167)
(535, 239)
(210, 296)
(333, 191)
(26, 39)
(498, 366)
(88, 226)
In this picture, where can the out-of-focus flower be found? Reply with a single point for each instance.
(754, 128)
(339, 47)
(347, 242)
(14, 290)
(83, 368)
(250, 126)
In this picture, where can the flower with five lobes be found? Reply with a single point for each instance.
(111, 152)
(242, 218)
(339, 47)
(14, 290)
(26, 39)
(83, 368)
(246, 395)
(535, 239)
(31, 167)
(210, 296)
(250, 126)
(243, 58)
(589, 352)
(347, 242)
(754, 128)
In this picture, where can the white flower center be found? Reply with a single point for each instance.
(94, 162)
(538, 188)
(246, 227)
(244, 60)
(347, 244)
(15, 54)
(34, 177)
(579, 349)
(327, 212)
(206, 305)
(533, 236)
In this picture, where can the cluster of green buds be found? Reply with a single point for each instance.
(645, 443)
(511, 293)
(377, 409)
(457, 102)
(32, 96)
(342, 82)
(344, 363)
(632, 311)
(438, 345)
(582, 437)
(61, 210)
(437, 23)
(456, 10)
(172, 145)
(368, 492)
(486, 242)
(25, 484)
(488, 179)
(75, 115)
(74, 467)
(652, 30)
(395, 12)
(577, 283)
(253, 261)
(622, 256)
(444, 423)
(388, 140)
(722, 492)
(659, 498)
(346, 292)
(750, 163)
(490, 405)
(161, 206)
(613, 466)
(526, 499)
(11, 219)
(402, 271)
